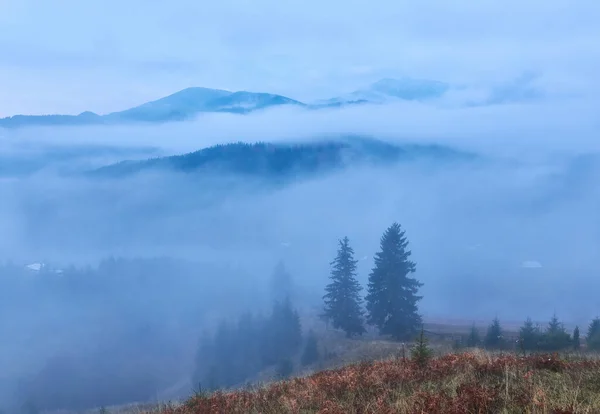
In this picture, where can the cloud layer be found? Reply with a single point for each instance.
(530, 200)
(513, 234)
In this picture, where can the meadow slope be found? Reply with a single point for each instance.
(470, 382)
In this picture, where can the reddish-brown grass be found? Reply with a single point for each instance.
(473, 382)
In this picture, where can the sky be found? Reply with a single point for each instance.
(70, 56)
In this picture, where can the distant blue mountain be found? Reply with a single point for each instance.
(191, 102)
(284, 161)
(179, 106)
(182, 104)
(17, 121)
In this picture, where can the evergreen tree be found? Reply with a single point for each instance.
(494, 338)
(420, 352)
(283, 333)
(224, 349)
(392, 295)
(204, 354)
(231, 355)
(555, 338)
(593, 335)
(342, 299)
(291, 329)
(473, 340)
(212, 378)
(311, 350)
(576, 339)
(248, 346)
(529, 336)
(281, 283)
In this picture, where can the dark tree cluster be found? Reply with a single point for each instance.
(238, 351)
(276, 161)
(535, 338)
(553, 338)
(281, 162)
(392, 294)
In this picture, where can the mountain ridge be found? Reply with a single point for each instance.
(283, 161)
(181, 105)
(194, 101)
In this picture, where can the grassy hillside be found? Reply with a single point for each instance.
(471, 382)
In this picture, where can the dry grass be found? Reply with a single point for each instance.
(471, 382)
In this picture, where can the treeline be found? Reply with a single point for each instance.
(259, 159)
(392, 298)
(532, 337)
(239, 350)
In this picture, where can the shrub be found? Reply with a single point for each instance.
(421, 353)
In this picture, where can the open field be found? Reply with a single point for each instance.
(470, 382)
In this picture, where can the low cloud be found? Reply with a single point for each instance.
(478, 230)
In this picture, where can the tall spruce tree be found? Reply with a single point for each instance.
(392, 294)
(342, 297)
